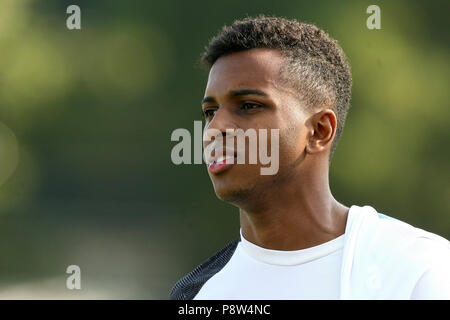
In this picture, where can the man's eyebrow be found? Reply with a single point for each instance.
(245, 92)
(208, 99)
(236, 93)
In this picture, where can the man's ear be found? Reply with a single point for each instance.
(322, 128)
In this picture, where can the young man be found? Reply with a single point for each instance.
(297, 241)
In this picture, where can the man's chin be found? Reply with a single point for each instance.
(231, 195)
(236, 184)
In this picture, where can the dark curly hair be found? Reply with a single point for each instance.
(315, 65)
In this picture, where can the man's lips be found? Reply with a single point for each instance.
(222, 164)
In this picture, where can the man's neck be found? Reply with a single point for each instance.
(294, 217)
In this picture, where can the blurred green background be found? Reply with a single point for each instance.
(86, 117)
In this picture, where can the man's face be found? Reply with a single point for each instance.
(244, 91)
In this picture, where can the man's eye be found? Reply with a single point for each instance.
(250, 106)
(209, 113)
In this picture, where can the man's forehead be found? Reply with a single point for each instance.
(256, 67)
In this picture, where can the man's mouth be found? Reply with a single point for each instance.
(221, 164)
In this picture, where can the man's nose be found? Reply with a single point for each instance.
(221, 128)
(222, 121)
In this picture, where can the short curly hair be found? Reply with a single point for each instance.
(316, 65)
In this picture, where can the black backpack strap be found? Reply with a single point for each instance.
(188, 286)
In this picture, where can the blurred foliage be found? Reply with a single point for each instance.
(86, 117)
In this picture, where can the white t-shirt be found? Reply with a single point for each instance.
(255, 273)
(262, 274)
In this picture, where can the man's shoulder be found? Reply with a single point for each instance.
(386, 257)
(381, 229)
(188, 286)
(401, 245)
(397, 231)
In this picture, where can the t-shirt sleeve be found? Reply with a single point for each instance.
(434, 284)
